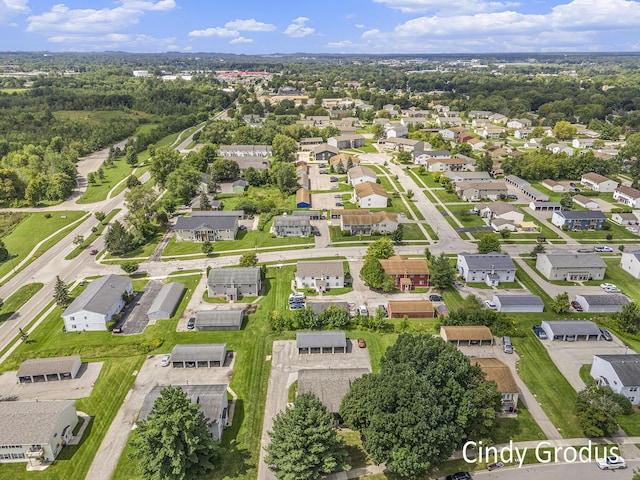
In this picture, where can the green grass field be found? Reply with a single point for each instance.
(19, 298)
(99, 190)
(87, 241)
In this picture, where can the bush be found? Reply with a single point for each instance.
(47, 215)
(150, 345)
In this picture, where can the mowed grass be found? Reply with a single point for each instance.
(98, 191)
(19, 298)
(33, 229)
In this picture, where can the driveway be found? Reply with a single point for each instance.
(324, 239)
(327, 201)
(285, 364)
(135, 317)
(319, 181)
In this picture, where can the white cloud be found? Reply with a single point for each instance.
(160, 6)
(445, 7)
(250, 25)
(241, 40)
(214, 32)
(298, 28)
(114, 41)
(11, 8)
(359, 25)
(345, 44)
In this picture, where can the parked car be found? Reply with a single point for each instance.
(572, 184)
(511, 196)
(459, 476)
(435, 298)
(362, 343)
(296, 295)
(116, 330)
(576, 306)
(165, 360)
(603, 248)
(570, 338)
(322, 165)
(242, 227)
(362, 310)
(339, 204)
(191, 323)
(316, 233)
(296, 306)
(323, 171)
(490, 304)
(606, 334)
(632, 229)
(507, 347)
(338, 196)
(611, 463)
(403, 215)
(539, 332)
(333, 179)
(93, 252)
(606, 286)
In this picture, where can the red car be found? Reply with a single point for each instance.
(93, 252)
(576, 306)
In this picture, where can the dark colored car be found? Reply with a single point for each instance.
(191, 323)
(323, 171)
(295, 306)
(323, 165)
(333, 179)
(539, 332)
(459, 476)
(576, 306)
(435, 298)
(512, 196)
(362, 343)
(116, 330)
(93, 252)
(606, 335)
(339, 204)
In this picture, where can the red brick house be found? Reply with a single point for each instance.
(408, 272)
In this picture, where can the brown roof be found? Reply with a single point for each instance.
(398, 265)
(344, 157)
(466, 333)
(498, 372)
(595, 177)
(365, 189)
(410, 306)
(550, 182)
(368, 218)
(343, 213)
(628, 191)
(302, 195)
(447, 161)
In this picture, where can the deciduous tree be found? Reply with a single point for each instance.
(207, 247)
(130, 266)
(283, 148)
(441, 273)
(488, 243)
(118, 240)
(560, 303)
(248, 259)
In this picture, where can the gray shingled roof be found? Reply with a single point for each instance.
(209, 397)
(27, 423)
(326, 339)
(329, 385)
(582, 214)
(218, 213)
(573, 327)
(607, 299)
(167, 300)
(512, 300)
(570, 260)
(316, 269)
(196, 222)
(488, 261)
(319, 307)
(100, 295)
(627, 367)
(46, 366)
(239, 275)
(219, 318)
(196, 352)
(297, 221)
(519, 182)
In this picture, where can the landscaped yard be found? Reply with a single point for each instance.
(618, 233)
(112, 175)
(625, 282)
(144, 251)
(412, 231)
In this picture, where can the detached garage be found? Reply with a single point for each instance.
(571, 330)
(518, 303)
(208, 320)
(410, 308)
(49, 369)
(199, 355)
(321, 342)
(166, 301)
(611, 302)
(468, 335)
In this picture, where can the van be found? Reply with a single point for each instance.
(506, 345)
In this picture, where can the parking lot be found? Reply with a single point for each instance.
(327, 201)
(134, 317)
(319, 181)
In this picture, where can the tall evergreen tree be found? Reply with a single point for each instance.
(61, 293)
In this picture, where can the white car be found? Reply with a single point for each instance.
(603, 249)
(165, 360)
(611, 463)
(612, 290)
(607, 286)
(490, 304)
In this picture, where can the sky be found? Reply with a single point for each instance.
(320, 26)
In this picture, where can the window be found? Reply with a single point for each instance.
(633, 389)
(632, 399)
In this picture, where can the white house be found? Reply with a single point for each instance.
(491, 268)
(519, 123)
(370, 195)
(396, 130)
(619, 372)
(598, 183)
(360, 174)
(97, 304)
(585, 202)
(630, 263)
(627, 196)
(321, 276)
(499, 209)
(571, 267)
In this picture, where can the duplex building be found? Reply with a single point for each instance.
(490, 268)
(370, 195)
(360, 174)
(399, 144)
(320, 276)
(473, 191)
(630, 263)
(245, 150)
(598, 183)
(499, 372)
(578, 219)
(368, 223)
(291, 226)
(407, 272)
(346, 141)
(446, 164)
(627, 196)
(323, 152)
(621, 373)
(571, 267)
(204, 227)
(234, 283)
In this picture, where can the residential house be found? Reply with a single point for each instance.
(598, 183)
(245, 150)
(621, 373)
(518, 123)
(585, 202)
(474, 191)
(294, 226)
(553, 185)
(571, 267)
(477, 145)
(571, 330)
(518, 303)
(404, 145)
(467, 335)
(630, 263)
(501, 210)
(491, 132)
(346, 141)
(394, 130)
(471, 162)
(627, 196)
(474, 177)
(323, 152)
(408, 273)
(329, 385)
(446, 164)
(522, 133)
(321, 342)
(490, 268)
(560, 148)
(479, 114)
(410, 309)
(583, 142)
(203, 227)
(499, 372)
(360, 174)
(308, 143)
(370, 195)
(449, 122)
(320, 276)
(234, 283)
(603, 303)
(103, 298)
(578, 220)
(498, 118)
(414, 120)
(213, 401)
(625, 219)
(368, 223)
(35, 431)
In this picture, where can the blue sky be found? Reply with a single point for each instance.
(313, 26)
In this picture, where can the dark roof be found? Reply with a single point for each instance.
(319, 307)
(627, 367)
(219, 318)
(212, 222)
(297, 221)
(582, 214)
(330, 268)
(488, 261)
(326, 339)
(573, 260)
(607, 299)
(573, 327)
(100, 295)
(195, 352)
(511, 300)
(239, 183)
(45, 366)
(221, 213)
(238, 275)
(167, 300)
(329, 385)
(209, 397)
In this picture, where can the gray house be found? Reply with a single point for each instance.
(619, 372)
(572, 267)
(285, 226)
(166, 301)
(578, 219)
(211, 398)
(490, 268)
(571, 330)
(202, 227)
(609, 302)
(321, 276)
(199, 355)
(46, 369)
(234, 283)
(321, 342)
(207, 320)
(518, 303)
(329, 385)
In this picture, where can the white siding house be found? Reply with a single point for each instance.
(619, 372)
(630, 263)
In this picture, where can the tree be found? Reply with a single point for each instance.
(488, 243)
(414, 414)
(173, 442)
(78, 240)
(334, 317)
(381, 249)
(204, 201)
(284, 177)
(222, 170)
(598, 409)
(131, 157)
(283, 148)
(100, 216)
(132, 181)
(405, 157)
(130, 266)
(165, 161)
(4, 252)
(537, 250)
(484, 164)
(378, 131)
(142, 205)
(248, 259)
(410, 194)
(61, 293)
(118, 240)
(207, 247)
(504, 233)
(304, 444)
(560, 303)
(563, 130)
(398, 234)
(182, 184)
(441, 273)
(628, 318)
(372, 273)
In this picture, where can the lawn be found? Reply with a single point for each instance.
(19, 298)
(467, 219)
(617, 231)
(112, 175)
(524, 278)
(143, 251)
(337, 236)
(446, 197)
(94, 235)
(417, 214)
(519, 429)
(625, 282)
(411, 231)
(33, 229)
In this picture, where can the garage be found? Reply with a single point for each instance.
(571, 330)
(49, 369)
(208, 320)
(321, 342)
(203, 355)
(518, 303)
